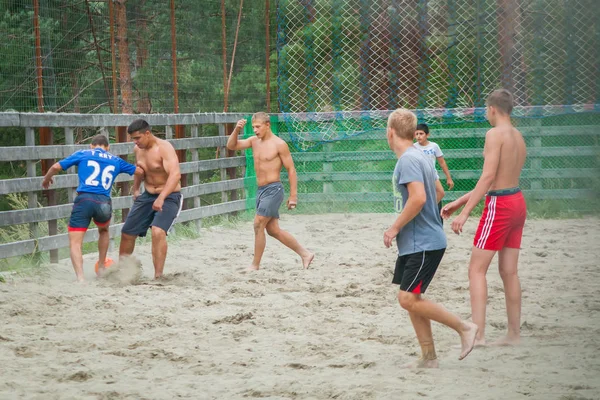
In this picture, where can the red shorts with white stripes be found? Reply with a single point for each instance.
(502, 221)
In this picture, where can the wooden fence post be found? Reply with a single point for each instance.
(196, 178)
(223, 154)
(32, 200)
(69, 140)
(328, 169)
(536, 163)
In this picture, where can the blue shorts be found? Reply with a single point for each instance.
(88, 206)
(142, 216)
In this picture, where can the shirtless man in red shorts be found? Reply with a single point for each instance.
(501, 225)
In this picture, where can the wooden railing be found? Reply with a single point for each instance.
(32, 154)
(331, 177)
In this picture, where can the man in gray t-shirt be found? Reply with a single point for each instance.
(420, 238)
(424, 231)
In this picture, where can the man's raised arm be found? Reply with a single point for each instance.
(233, 143)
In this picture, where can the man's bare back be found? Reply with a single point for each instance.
(512, 157)
(152, 161)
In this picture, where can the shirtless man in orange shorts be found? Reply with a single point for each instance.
(501, 225)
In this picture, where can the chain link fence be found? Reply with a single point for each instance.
(342, 63)
(117, 56)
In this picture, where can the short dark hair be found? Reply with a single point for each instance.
(100, 140)
(139, 125)
(423, 127)
(502, 99)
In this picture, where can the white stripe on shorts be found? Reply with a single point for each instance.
(177, 216)
(489, 221)
(417, 275)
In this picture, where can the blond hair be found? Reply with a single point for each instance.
(262, 117)
(502, 100)
(403, 123)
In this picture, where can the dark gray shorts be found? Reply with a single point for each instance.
(142, 216)
(268, 199)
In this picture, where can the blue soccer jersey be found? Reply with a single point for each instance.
(97, 169)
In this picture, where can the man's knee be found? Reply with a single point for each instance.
(158, 233)
(260, 224)
(508, 273)
(127, 237)
(273, 231)
(407, 300)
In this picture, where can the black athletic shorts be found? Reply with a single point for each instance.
(142, 216)
(415, 271)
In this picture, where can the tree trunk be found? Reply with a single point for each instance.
(124, 67)
(144, 106)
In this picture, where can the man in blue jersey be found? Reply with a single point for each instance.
(97, 169)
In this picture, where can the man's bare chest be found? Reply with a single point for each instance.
(265, 153)
(151, 162)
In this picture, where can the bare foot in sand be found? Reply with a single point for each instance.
(467, 338)
(306, 260)
(507, 341)
(480, 343)
(422, 363)
(253, 268)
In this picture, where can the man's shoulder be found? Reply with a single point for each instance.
(412, 156)
(164, 144)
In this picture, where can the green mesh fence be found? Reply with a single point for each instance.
(561, 175)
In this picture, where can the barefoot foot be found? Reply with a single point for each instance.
(422, 363)
(507, 341)
(467, 338)
(253, 268)
(306, 260)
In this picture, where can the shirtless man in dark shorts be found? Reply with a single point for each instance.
(270, 154)
(501, 225)
(160, 204)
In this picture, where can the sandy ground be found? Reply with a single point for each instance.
(210, 331)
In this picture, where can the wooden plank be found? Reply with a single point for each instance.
(363, 156)
(212, 187)
(209, 211)
(461, 133)
(21, 153)
(456, 174)
(62, 241)
(99, 120)
(359, 197)
(39, 214)
(10, 119)
(20, 185)
(208, 165)
(196, 176)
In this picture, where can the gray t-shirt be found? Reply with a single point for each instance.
(425, 231)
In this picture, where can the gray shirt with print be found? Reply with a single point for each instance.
(425, 231)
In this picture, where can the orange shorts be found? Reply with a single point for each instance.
(502, 221)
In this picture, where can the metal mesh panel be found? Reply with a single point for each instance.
(437, 54)
(342, 63)
(78, 66)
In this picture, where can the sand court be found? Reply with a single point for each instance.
(211, 330)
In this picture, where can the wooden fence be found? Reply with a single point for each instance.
(332, 181)
(32, 154)
(580, 144)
